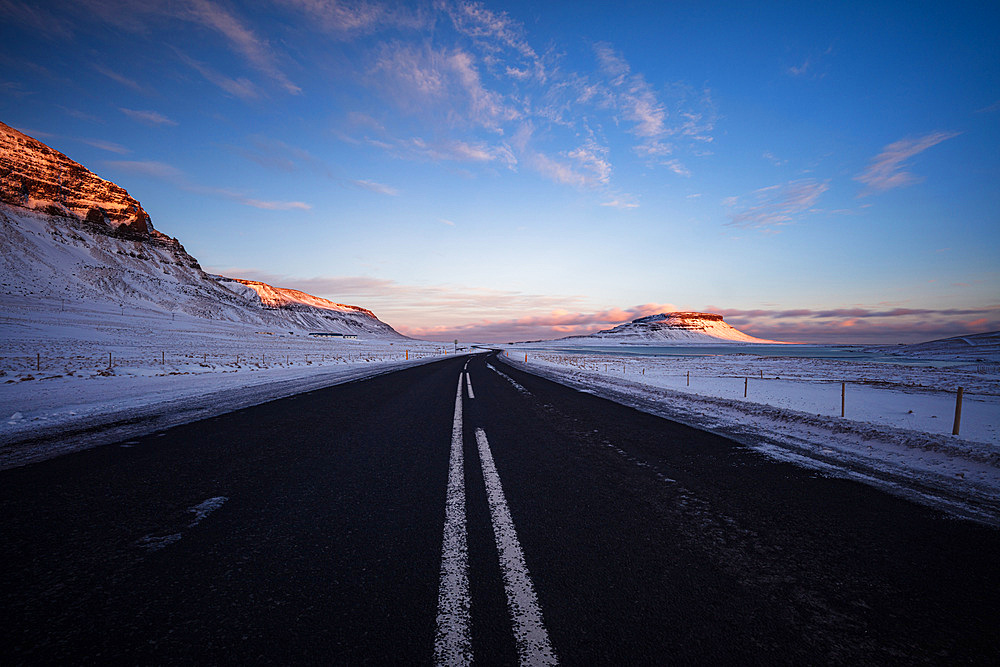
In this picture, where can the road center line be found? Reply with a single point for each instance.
(532, 639)
(452, 643)
(468, 382)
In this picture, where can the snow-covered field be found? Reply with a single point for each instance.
(896, 431)
(85, 375)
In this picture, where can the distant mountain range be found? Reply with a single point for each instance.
(669, 328)
(69, 235)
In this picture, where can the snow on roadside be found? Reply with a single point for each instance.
(80, 377)
(797, 418)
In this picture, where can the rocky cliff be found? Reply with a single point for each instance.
(35, 176)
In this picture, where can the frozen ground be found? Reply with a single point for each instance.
(82, 376)
(896, 432)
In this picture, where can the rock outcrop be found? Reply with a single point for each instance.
(35, 176)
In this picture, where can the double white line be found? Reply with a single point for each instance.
(452, 645)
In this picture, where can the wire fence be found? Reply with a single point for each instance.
(42, 363)
(750, 381)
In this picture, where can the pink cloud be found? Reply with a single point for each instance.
(886, 170)
(862, 325)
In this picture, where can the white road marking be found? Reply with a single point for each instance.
(452, 643)
(514, 382)
(532, 639)
(468, 382)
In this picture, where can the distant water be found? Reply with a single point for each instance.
(842, 352)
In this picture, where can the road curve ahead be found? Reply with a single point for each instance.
(467, 512)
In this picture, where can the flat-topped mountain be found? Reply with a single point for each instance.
(671, 328)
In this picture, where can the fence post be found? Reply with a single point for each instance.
(109, 360)
(163, 358)
(746, 384)
(689, 378)
(38, 362)
(843, 393)
(958, 412)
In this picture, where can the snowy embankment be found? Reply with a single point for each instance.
(91, 375)
(896, 432)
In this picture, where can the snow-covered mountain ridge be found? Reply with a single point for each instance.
(293, 299)
(70, 238)
(671, 328)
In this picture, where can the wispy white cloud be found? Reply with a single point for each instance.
(76, 113)
(170, 174)
(445, 221)
(109, 146)
(496, 31)
(656, 128)
(593, 158)
(159, 170)
(813, 66)
(560, 171)
(122, 79)
(15, 89)
(379, 188)
(634, 96)
(242, 88)
(887, 169)
(275, 154)
(37, 17)
(276, 205)
(147, 117)
(800, 70)
(447, 150)
(256, 50)
(439, 84)
(773, 159)
(351, 19)
(486, 76)
(677, 167)
(145, 18)
(776, 205)
(623, 202)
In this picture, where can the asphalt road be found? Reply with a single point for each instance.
(399, 520)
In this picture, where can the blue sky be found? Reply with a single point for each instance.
(822, 172)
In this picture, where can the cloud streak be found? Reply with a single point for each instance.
(887, 170)
(174, 176)
(776, 205)
(241, 39)
(151, 118)
(378, 188)
(242, 88)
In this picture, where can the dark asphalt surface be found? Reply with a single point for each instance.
(647, 542)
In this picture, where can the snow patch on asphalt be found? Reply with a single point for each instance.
(154, 542)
